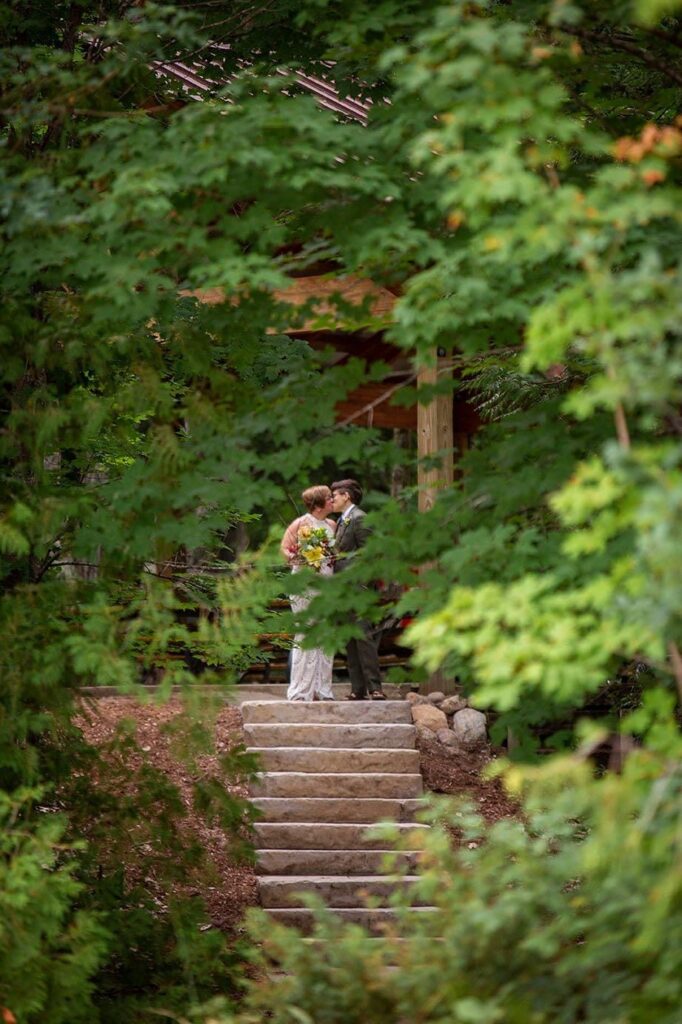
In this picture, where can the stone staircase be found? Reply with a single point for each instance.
(330, 769)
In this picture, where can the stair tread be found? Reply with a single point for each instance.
(325, 835)
(379, 911)
(365, 712)
(353, 775)
(326, 879)
(341, 735)
(337, 760)
(357, 825)
(407, 752)
(344, 810)
(267, 849)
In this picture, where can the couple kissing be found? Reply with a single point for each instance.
(315, 540)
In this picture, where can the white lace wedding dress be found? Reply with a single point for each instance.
(311, 669)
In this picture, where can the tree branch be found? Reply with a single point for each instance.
(622, 432)
(619, 43)
(664, 37)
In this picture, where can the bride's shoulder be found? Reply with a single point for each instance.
(331, 523)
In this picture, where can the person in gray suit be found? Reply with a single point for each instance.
(351, 533)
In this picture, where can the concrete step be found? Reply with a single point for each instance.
(330, 734)
(328, 759)
(366, 712)
(368, 784)
(374, 920)
(343, 809)
(340, 891)
(315, 836)
(328, 862)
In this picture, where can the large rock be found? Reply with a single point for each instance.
(437, 697)
(425, 737)
(451, 705)
(429, 717)
(468, 728)
(448, 739)
(415, 698)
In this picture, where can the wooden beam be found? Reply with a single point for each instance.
(321, 291)
(355, 291)
(368, 405)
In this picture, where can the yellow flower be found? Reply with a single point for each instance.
(314, 556)
(305, 531)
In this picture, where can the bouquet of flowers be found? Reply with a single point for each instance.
(314, 546)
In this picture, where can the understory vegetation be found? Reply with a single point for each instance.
(517, 186)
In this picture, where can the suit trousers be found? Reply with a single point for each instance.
(363, 661)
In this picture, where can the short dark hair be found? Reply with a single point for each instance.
(352, 487)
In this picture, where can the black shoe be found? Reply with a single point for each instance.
(377, 695)
(355, 696)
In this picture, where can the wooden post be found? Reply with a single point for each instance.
(434, 434)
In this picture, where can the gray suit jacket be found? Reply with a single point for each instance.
(350, 536)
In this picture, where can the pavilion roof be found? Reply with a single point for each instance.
(196, 80)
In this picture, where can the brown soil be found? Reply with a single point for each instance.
(462, 775)
(228, 889)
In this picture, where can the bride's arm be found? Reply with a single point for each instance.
(332, 524)
(288, 545)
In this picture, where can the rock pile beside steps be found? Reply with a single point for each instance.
(450, 721)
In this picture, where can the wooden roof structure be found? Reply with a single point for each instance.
(192, 76)
(371, 403)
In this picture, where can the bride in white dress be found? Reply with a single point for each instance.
(311, 670)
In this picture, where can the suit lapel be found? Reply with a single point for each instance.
(346, 529)
(341, 529)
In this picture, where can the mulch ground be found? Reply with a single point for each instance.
(230, 888)
(462, 775)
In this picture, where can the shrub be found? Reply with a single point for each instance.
(49, 951)
(571, 914)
